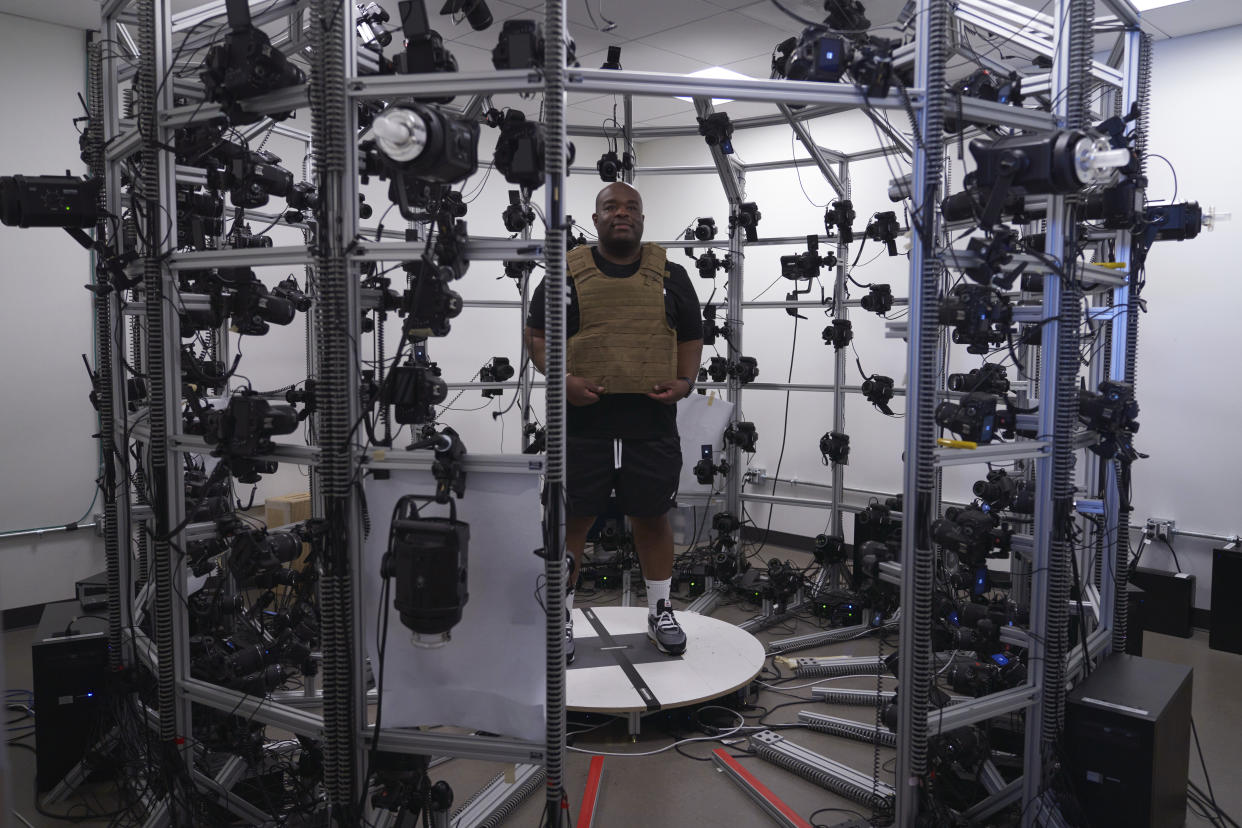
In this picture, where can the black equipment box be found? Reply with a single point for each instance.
(69, 663)
(1226, 632)
(93, 591)
(1127, 742)
(1170, 602)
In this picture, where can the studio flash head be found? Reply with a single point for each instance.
(422, 142)
(49, 201)
(427, 558)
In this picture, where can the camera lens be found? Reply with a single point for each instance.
(479, 16)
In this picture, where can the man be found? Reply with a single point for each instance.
(634, 337)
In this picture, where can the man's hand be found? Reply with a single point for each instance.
(581, 391)
(670, 392)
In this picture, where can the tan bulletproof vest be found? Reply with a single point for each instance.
(624, 341)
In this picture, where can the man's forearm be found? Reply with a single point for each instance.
(689, 357)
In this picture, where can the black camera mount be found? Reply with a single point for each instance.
(717, 131)
(743, 435)
(878, 390)
(884, 228)
(835, 447)
(747, 217)
(838, 334)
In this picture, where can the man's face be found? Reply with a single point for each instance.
(618, 216)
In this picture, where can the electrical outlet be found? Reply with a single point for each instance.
(758, 473)
(1159, 529)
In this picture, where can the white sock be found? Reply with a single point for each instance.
(657, 591)
(569, 603)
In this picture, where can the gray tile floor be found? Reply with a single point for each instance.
(668, 789)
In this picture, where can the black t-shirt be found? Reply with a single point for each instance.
(629, 416)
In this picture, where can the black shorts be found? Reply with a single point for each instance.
(646, 482)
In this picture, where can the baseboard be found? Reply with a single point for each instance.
(18, 617)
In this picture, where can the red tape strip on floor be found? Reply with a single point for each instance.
(760, 788)
(586, 815)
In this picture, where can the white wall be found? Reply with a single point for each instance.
(47, 457)
(1188, 378)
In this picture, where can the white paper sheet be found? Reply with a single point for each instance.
(491, 675)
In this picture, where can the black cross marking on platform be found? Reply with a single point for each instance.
(592, 652)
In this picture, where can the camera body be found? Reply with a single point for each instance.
(497, 369)
(717, 131)
(989, 378)
(414, 390)
(1111, 413)
(840, 214)
(244, 66)
(879, 299)
(973, 534)
(878, 390)
(243, 430)
(743, 435)
(611, 167)
(747, 217)
(884, 228)
(835, 446)
(980, 316)
(974, 417)
(839, 334)
(816, 55)
(1002, 492)
(520, 148)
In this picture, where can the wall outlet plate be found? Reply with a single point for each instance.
(1159, 529)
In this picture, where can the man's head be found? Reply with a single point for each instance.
(618, 219)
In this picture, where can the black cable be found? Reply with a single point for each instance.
(784, 433)
(1176, 562)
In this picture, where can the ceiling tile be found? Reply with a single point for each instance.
(643, 57)
(637, 20)
(759, 66)
(719, 39)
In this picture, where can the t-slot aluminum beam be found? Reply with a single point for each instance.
(847, 728)
(803, 642)
(498, 798)
(831, 775)
(817, 155)
(724, 167)
(706, 603)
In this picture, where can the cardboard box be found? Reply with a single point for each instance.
(286, 509)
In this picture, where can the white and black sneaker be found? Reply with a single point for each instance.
(663, 629)
(569, 637)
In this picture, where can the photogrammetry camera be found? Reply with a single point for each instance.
(980, 316)
(743, 435)
(705, 470)
(983, 85)
(711, 329)
(1001, 492)
(717, 131)
(817, 54)
(427, 559)
(1111, 413)
(840, 215)
(521, 46)
(835, 447)
(371, 19)
(611, 168)
(975, 417)
(49, 201)
(704, 229)
(496, 369)
(838, 334)
(244, 66)
(236, 294)
(747, 217)
(243, 430)
(424, 47)
(518, 215)
(415, 389)
(520, 148)
(990, 378)
(707, 263)
(878, 390)
(807, 265)
(879, 299)
(973, 534)
(884, 228)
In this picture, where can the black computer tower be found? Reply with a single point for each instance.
(1127, 742)
(1226, 632)
(69, 662)
(1170, 602)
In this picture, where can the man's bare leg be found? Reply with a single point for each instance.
(653, 541)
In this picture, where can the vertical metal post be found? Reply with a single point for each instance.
(1058, 409)
(840, 367)
(1123, 355)
(337, 325)
(555, 296)
(917, 556)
